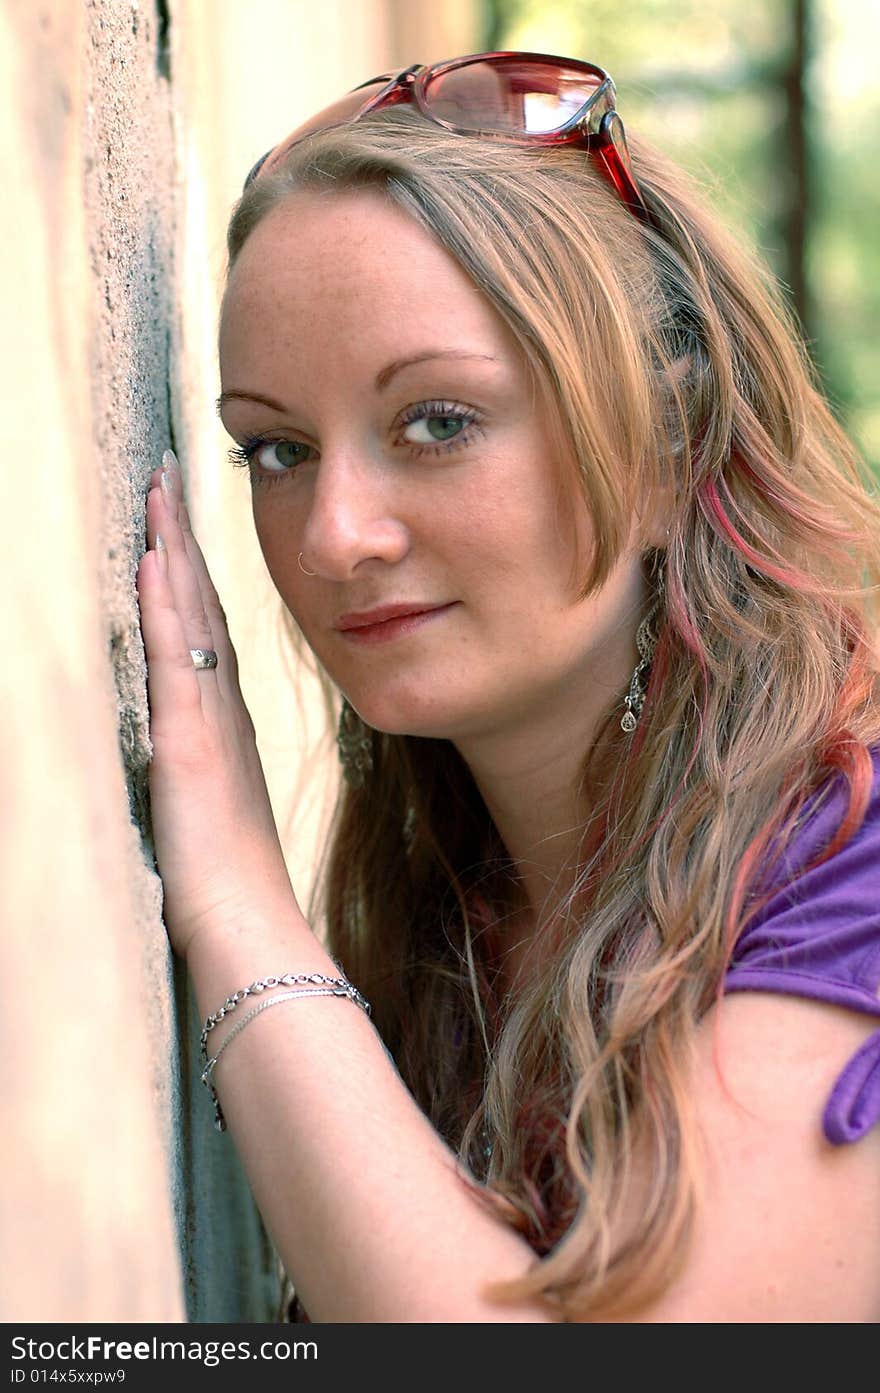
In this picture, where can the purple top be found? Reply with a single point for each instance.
(819, 936)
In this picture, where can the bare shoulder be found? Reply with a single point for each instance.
(789, 1225)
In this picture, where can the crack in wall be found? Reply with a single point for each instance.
(163, 39)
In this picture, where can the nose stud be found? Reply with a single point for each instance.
(299, 560)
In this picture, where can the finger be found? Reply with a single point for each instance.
(227, 664)
(162, 518)
(174, 686)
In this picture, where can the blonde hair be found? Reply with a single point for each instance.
(675, 372)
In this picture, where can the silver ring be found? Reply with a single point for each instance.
(203, 658)
(302, 567)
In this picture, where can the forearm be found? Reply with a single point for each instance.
(360, 1195)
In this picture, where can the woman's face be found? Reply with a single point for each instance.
(396, 442)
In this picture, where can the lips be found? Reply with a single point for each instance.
(388, 623)
(367, 619)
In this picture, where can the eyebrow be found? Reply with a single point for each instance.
(225, 397)
(383, 378)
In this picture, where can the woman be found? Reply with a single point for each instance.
(540, 475)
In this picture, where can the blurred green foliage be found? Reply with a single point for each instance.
(705, 78)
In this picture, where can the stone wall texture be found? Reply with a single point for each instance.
(126, 129)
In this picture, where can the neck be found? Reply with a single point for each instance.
(530, 767)
(532, 782)
(542, 808)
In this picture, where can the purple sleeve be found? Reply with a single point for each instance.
(818, 936)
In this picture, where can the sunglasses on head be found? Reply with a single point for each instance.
(531, 98)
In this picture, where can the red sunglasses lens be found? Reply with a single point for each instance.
(510, 94)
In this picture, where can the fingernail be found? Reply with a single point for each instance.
(170, 473)
(161, 555)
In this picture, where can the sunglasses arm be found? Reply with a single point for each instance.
(612, 157)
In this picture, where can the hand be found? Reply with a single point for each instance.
(214, 832)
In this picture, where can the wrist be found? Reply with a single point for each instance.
(280, 989)
(271, 936)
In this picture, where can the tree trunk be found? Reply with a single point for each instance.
(795, 155)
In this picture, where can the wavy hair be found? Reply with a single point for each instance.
(674, 371)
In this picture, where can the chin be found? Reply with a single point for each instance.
(429, 727)
(396, 710)
(427, 717)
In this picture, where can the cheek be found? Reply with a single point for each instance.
(540, 545)
(277, 537)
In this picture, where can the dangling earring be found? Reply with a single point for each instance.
(410, 827)
(355, 745)
(646, 642)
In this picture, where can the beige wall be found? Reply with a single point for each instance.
(123, 154)
(86, 1218)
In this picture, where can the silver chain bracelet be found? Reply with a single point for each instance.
(309, 984)
(288, 979)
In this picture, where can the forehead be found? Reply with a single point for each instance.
(351, 263)
(315, 244)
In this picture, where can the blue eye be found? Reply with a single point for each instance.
(430, 430)
(269, 460)
(433, 426)
(281, 454)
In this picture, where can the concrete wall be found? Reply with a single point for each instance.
(126, 129)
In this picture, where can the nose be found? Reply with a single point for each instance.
(354, 516)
